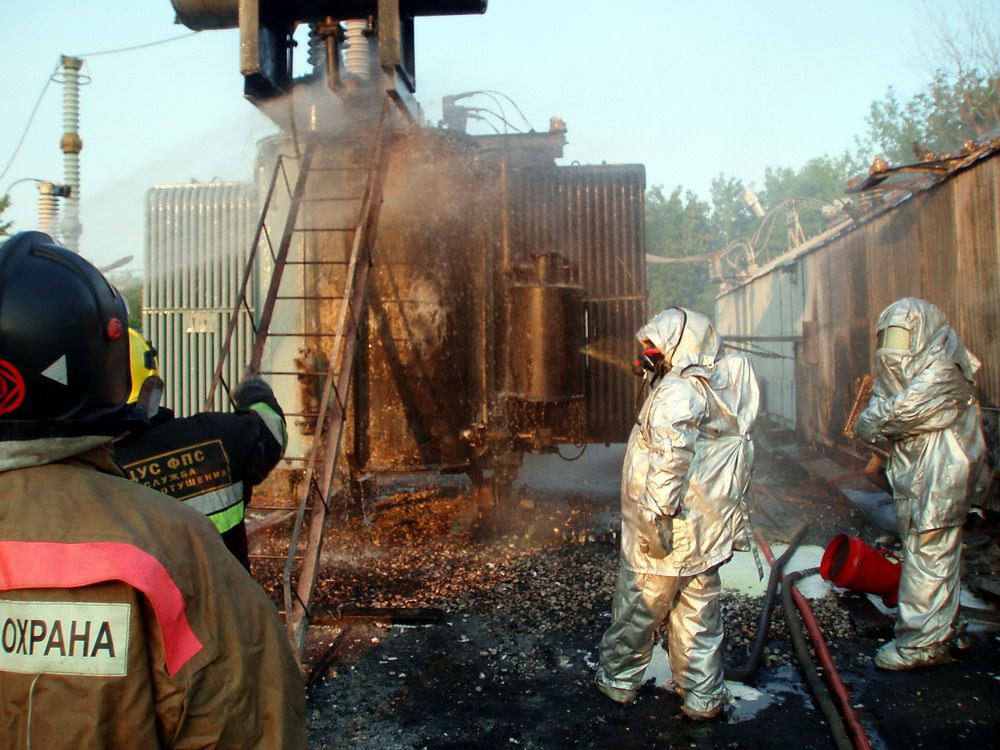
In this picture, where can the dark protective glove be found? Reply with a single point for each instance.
(252, 391)
(659, 542)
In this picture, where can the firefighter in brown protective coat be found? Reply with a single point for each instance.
(124, 622)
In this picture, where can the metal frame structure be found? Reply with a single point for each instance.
(317, 488)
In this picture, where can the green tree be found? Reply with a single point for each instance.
(960, 103)
(732, 218)
(679, 226)
(133, 295)
(130, 285)
(819, 180)
(796, 199)
(4, 225)
(937, 121)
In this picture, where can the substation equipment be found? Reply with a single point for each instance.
(420, 298)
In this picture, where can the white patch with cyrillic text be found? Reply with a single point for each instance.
(64, 638)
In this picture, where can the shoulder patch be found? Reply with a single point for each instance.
(184, 472)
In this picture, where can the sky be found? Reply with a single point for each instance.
(690, 89)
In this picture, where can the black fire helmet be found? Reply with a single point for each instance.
(64, 352)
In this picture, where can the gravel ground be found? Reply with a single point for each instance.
(525, 596)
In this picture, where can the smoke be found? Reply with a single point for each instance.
(113, 214)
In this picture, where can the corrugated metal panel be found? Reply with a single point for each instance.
(943, 244)
(197, 240)
(762, 320)
(593, 215)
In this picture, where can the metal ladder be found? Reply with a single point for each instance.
(316, 489)
(241, 307)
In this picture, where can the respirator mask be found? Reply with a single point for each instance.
(649, 361)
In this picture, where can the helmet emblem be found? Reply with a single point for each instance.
(11, 387)
(57, 371)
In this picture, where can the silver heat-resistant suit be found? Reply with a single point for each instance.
(688, 463)
(924, 405)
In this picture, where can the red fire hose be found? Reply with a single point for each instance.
(857, 732)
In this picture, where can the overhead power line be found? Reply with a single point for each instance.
(31, 117)
(500, 93)
(137, 46)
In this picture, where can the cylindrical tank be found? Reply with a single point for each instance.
(546, 332)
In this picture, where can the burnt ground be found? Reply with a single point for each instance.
(525, 597)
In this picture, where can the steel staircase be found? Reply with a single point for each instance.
(333, 261)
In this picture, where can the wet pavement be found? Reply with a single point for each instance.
(511, 663)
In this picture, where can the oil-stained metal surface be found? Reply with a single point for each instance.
(197, 240)
(418, 383)
(941, 244)
(501, 310)
(455, 333)
(593, 215)
(544, 388)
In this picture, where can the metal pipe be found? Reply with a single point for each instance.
(325, 40)
(175, 295)
(189, 238)
(501, 300)
(332, 63)
(160, 260)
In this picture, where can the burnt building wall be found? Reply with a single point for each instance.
(942, 244)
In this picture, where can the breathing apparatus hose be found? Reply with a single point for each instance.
(850, 717)
(819, 691)
(746, 674)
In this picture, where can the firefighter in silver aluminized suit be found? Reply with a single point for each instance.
(924, 405)
(687, 469)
